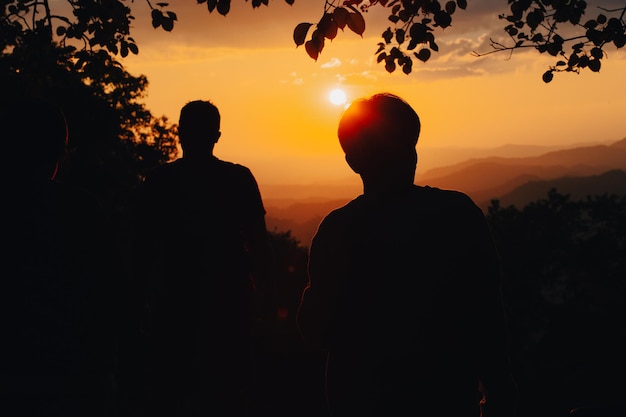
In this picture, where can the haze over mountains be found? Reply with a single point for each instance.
(579, 171)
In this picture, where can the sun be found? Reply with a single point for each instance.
(337, 96)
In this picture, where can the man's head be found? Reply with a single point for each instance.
(379, 134)
(199, 127)
(35, 132)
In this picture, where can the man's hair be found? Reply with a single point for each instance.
(378, 135)
(199, 121)
(381, 122)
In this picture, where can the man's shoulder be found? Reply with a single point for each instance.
(442, 197)
(348, 208)
(165, 169)
(338, 217)
(233, 167)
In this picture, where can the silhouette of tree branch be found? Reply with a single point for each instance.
(411, 37)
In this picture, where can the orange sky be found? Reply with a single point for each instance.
(276, 116)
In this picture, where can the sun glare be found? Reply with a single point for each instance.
(337, 96)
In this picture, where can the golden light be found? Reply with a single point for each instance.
(337, 96)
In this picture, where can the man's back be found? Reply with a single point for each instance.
(418, 271)
(201, 287)
(205, 207)
(403, 287)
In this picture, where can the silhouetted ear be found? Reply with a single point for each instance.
(353, 163)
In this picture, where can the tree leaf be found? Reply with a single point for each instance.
(597, 53)
(356, 23)
(340, 16)
(407, 67)
(223, 7)
(450, 7)
(390, 64)
(400, 36)
(168, 24)
(590, 24)
(387, 35)
(157, 18)
(423, 55)
(211, 5)
(594, 65)
(327, 26)
(312, 49)
(534, 19)
(442, 19)
(547, 76)
(300, 32)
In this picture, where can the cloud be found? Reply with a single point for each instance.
(332, 63)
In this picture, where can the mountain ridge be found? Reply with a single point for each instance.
(580, 171)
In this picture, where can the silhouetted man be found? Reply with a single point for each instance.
(403, 287)
(203, 252)
(60, 292)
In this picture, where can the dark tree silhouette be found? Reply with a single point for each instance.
(563, 29)
(290, 373)
(113, 137)
(565, 290)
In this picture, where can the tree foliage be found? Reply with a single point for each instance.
(113, 137)
(561, 28)
(538, 24)
(564, 283)
(411, 37)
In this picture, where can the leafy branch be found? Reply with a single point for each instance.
(413, 26)
(549, 26)
(538, 24)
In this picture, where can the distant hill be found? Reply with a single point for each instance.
(431, 157)
(300, 217)
(487, 178)
(578, 188)
(580, 171)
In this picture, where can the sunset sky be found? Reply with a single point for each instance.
(278, 120)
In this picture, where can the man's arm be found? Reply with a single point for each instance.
(258, 244)
(321, 296)
(262, 262)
